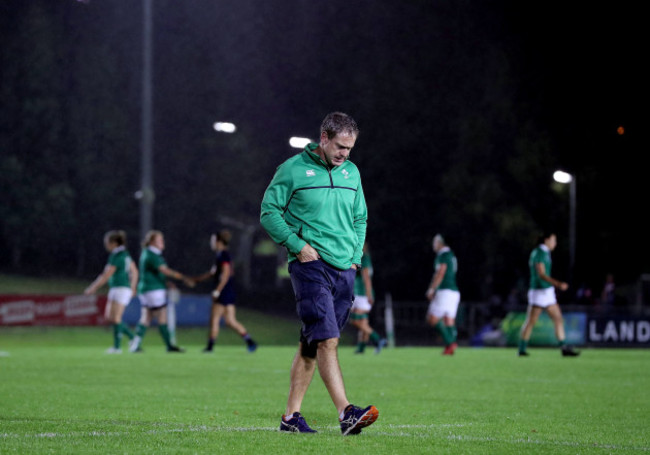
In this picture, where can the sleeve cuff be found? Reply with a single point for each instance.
(295, 244)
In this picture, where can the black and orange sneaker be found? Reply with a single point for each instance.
(355, 418)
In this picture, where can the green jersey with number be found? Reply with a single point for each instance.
(366, 263)
(446, 256)
(121, 260)
(540, 254)
(151, 278)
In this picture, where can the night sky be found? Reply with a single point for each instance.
(418, 76)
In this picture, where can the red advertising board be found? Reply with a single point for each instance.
(52, 309)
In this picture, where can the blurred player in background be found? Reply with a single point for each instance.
(121, 274)
(364, 299)
(541, 295)
(223, 294)
(443, 295)
(152, 290)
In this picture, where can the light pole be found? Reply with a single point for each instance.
(146, 193)
(570, 179)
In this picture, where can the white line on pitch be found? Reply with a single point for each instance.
(404, 432)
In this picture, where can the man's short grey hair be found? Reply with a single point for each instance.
(339, 123)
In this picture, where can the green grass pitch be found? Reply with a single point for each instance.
(61, 394)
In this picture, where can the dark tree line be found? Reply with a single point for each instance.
(463, 117)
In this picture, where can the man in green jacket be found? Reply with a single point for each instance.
(315, 208)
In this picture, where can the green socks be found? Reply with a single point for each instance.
(523, 344)
(162, 328)
(117, 336)
(140, 330)
(374, 338)
(125, 330)
(164, 332)
(447, 335)
(453, 332)
(118, 330)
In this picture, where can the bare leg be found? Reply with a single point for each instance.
(215, 319)
(161, 315)
(231, 321)
(302, 372)
(356, 323)
(558, 321)
(145, 316)
(108, 310)
(531, 318)
(116, 312)
(330, 372)
(366, 329)
(363, 327)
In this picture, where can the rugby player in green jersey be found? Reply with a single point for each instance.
(152, 290)
(364, 299)
(443, 294)
(541, 295)
(121, 274)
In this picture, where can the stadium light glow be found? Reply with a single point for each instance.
(571, 180)
(299, 142)
(562, 177)
(224, 127)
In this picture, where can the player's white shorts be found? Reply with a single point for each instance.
(153, 299)
(542, 297)
(445, 303)
(361, 303)
(120, 294)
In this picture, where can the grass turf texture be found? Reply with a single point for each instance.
(62, 394)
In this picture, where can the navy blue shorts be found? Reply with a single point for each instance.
(324, 296)
(228, 295)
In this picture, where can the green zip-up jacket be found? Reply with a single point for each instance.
(307, 202)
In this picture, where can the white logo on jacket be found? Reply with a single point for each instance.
(345, 173)
(310, 173)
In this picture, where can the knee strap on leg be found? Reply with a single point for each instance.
(308, 349)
